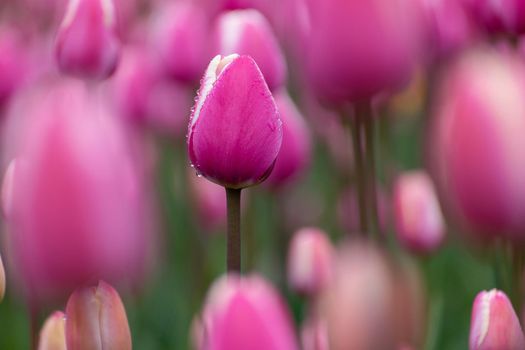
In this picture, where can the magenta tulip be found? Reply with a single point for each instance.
(246, 313)
(478, 149)
(494, 324)
(496, 17)
(87, 44)
(294, 156)
(357, 49)
(53, 333)
(310, 261)
(235, 132)
(247, 32)
(181, 38)
(419, 222)
(96, 320)
(76, 202)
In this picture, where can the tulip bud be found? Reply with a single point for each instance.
(494, 324)
(245, 313)
(478, 129)
(294, 155)
(53, 333)
(309, 261)
(235, 132)
(78, 204)
(496, 17)
(357, 49)
(96, 320)
(247, 32)
(181, 35)
(87, 44)
(419, 222)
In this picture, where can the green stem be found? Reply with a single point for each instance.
(370, 160)
(233, 203)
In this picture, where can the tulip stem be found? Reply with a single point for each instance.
(233, 203)
(34, 325)
(360, 174)
(370, 158)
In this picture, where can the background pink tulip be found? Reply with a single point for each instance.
(53, 333)
(477, 150)
(496, 17)
(235, 131)
(314, 335)
(494, 323)
(13, 63)
(246, 312)
(420, 226)
(247, 32)
(209, 202)
(79, 209)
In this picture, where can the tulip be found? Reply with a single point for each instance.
(357, 49)
(180, 36)
(505, 16)
(209, 202)
(87, 44)
(2, 280)
(419, 222)
(77, 204)
(477, 147)
(245, 313)
(295, 152)
(494, 324)
(235, 132)
(359, 301)
(13, 64)
(96, 320)
(314, 335)
(247, 32)
(53, 333)
(310, 261)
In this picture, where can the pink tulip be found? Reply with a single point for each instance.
(494, 324)
(294, 156)
(246, 313)
(76, 201)
(13, 64)
(209, 202)
(247, 32)
(87, 44)
(310, 261)
(314, 335)
(181, 38)
(505, 16)
(357, 49)
(145, 97)
(235, 132)
(96, 320)
(53, 333)
(419, 222)
(478, 147)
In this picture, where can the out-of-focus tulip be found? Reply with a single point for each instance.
(53, 333)
(246, 313)
(87, 44)
(2, 280)
(247, 32)
(294, 155)
(144, 96)
(419, 222)
(314, 335)
(358, 303)
(310, 261)
(494, 324)
(357, 49)
(181, 36)
(77, 203)
(505, 16)
(209, 202)
(96, 320)
(478, 149)
(348, 210)
(235, 132)
(13, 63)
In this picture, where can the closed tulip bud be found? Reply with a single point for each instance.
(295, 153)
(478, 129)
(494, 324)
(78, 205)
(310, 261)
(357, 49)
(247, 32)
(235, 131)
(53, 333)
(96, 320)
(87, 44)
(420, 226)
(245, 313)
(181, 36)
